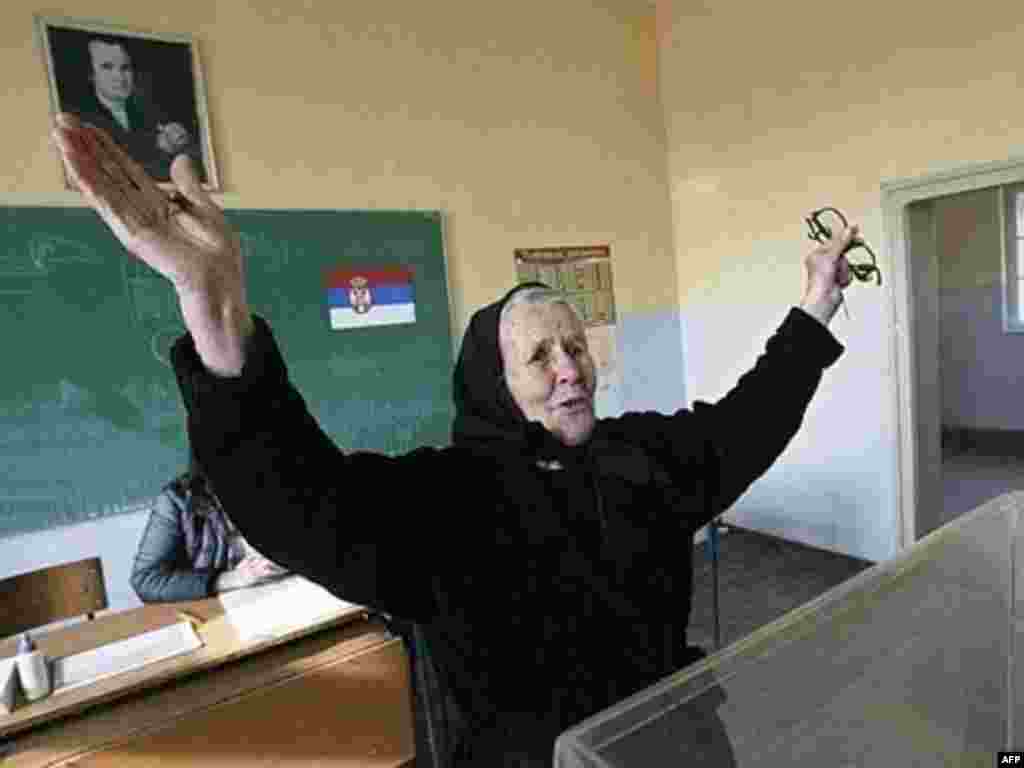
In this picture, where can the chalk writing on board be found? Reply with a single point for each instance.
(14, 263)
(163, 392)
(18, 285)
(42, 253)
(53, 249)
(161, 341)
(153, 300)
(71, 395)
(249, 244)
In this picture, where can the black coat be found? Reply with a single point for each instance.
(545, 595)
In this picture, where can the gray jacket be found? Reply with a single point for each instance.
(186, 544)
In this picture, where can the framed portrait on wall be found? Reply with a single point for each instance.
(145, 90)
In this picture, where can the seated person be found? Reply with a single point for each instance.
(190, 549)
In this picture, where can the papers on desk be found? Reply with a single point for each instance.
(123, 656)
(291, 602)
(8, 685)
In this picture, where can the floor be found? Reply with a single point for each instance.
(763, 577)
(970, 480)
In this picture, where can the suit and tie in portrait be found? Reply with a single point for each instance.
(144, 91)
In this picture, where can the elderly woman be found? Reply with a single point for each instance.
(550, 576)
(190, 549)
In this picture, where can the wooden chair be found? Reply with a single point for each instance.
(36, 598)
(438, 723)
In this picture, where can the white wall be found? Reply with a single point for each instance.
(822, 486)
(112, 539)
(769, 117)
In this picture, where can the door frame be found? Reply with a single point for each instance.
(897, 194)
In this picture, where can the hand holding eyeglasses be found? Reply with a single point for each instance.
(821, 231)
(821, 223)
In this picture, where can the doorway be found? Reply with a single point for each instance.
(958, 433)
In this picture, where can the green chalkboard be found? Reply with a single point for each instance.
(91, 422)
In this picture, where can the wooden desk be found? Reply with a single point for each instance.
(336, 693)
(221, 644)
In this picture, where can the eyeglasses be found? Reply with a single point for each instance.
(819, 222)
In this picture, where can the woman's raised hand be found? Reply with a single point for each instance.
(182, 234)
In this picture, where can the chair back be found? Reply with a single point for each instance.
(438, 724)
(60, 592)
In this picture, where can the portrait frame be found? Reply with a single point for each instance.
(154, 113)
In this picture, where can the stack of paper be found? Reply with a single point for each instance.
(291, 602)
(125, 655)
(8, 684)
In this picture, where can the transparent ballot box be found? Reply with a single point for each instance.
(909, 663)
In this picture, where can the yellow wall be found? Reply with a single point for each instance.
(775, 109)
(530, 123)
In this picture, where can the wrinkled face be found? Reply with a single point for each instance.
(111, 70)
(549, 370)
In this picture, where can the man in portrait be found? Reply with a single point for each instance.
(132, 118)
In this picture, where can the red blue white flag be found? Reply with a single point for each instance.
(361, 298)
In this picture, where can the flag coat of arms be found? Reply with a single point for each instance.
(361, 298)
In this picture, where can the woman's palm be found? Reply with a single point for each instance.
(184, 236)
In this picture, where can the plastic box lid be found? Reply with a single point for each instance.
(910, 662)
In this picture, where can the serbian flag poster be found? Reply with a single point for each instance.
(362, 298)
